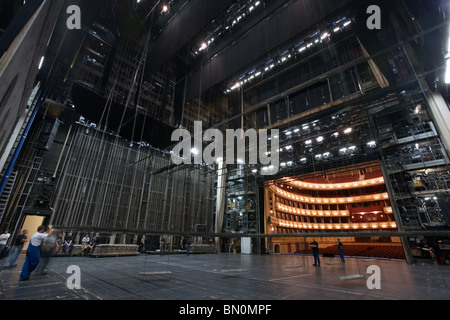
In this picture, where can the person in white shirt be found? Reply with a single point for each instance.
(33, 255)
(85, 244)
(4, 239)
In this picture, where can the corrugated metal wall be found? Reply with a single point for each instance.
(106, 183)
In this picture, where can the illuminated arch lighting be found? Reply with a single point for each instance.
(336, 186)
(365, 198)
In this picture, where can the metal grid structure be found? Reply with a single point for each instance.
(109, 183)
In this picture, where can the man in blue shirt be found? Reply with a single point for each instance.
(68, 242)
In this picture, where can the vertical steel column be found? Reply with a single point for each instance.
(396, 212)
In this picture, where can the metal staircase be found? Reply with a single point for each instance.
(6, 194)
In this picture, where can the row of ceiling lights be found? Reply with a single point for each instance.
(232, 21)
(298, 48)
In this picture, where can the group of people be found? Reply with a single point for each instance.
(42, 246)
(87, 245)
(315, 250)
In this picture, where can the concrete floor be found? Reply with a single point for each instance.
(227, 277)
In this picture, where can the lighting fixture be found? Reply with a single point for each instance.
(372, 144)
(447, 72)
(41, 63)
(229, 22)
(296, 49)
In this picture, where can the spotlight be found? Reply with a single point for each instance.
(372, 144)
(348, 130)
(165, 9)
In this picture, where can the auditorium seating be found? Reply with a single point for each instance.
(373, 175)
(316, 180)
(379, 251)
(343, 178)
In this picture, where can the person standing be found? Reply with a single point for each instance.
(16, 249)
(162, 245)
(315, 249)
(48, 249)
(341, 250)
(33, 254)
(188, 245)
(4, 239)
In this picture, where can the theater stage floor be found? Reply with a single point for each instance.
(227, 277)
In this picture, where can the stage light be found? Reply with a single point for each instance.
(41, 63)
(447, 72)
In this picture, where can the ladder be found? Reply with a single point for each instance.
(17, 140)
(6, 194)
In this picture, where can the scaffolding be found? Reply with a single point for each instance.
(110, 183)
